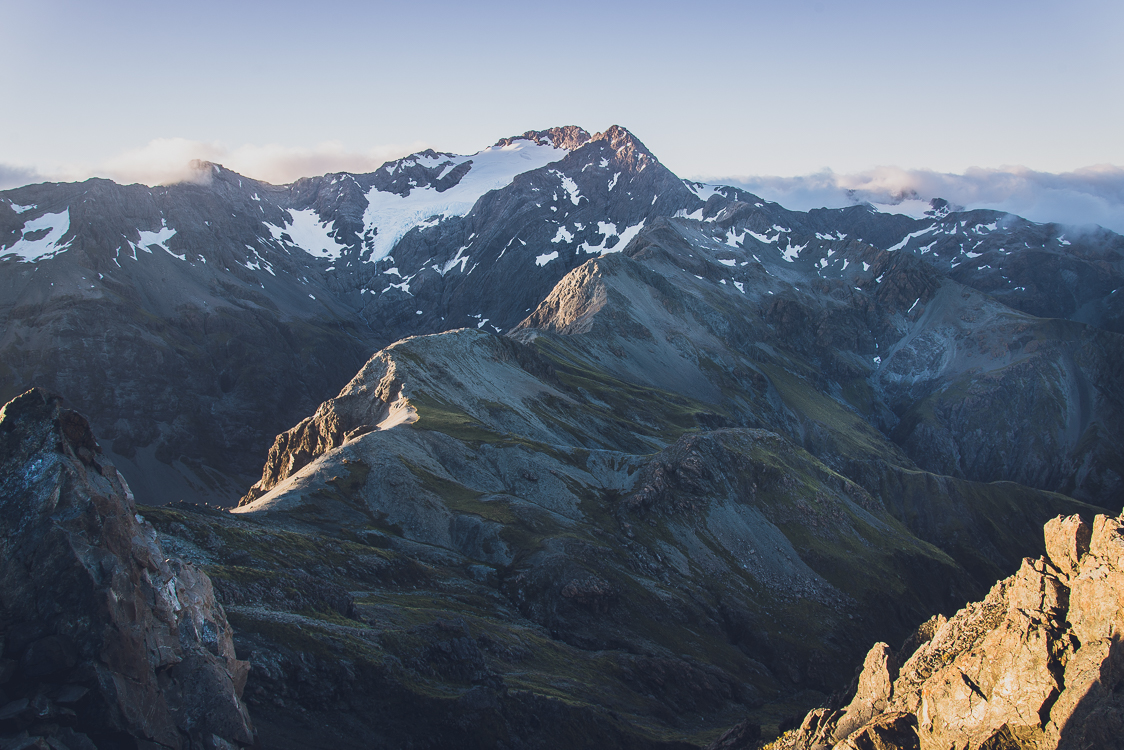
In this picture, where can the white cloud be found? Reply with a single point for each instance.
(164, 161)
(1092, 195)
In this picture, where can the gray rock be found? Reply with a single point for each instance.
(90, 601)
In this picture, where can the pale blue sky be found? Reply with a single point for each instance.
(718, 88)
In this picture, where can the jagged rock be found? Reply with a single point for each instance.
(107, 641)
(892, 731)
(1067, 539)
(1037, 664)
(876, 684)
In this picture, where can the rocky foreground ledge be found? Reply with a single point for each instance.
(1039, 663)
(106, 642)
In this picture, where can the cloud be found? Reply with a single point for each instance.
(1092, 195)
(13, 176)
(166, 161)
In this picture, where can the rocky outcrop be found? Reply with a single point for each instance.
(1037, 664)
(106, 641)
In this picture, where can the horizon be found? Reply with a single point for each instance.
(804, 101)
(1089, 196)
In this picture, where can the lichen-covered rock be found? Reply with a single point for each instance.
(106, 641)
(1037, 664)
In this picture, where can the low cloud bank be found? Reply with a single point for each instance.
(1092, 195)
(13, 176)
(167, 161)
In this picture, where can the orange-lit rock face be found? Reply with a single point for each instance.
(1038, 662)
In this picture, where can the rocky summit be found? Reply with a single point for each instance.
(1038, 663)
(546, 447)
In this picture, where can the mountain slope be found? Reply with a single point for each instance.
(633, 457)
(195, 321)
(602, 472)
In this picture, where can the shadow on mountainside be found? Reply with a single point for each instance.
(1098, 719)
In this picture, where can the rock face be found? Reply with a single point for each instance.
(1037, 664)
(106, 642)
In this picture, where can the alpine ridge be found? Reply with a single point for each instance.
(195, 321)
(545, 444)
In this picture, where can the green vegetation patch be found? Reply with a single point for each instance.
(855, 437)
(460, 498)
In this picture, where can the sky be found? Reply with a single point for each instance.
(993, 100)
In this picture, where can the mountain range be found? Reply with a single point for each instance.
(546, 439)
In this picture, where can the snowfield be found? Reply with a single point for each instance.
(390, 216)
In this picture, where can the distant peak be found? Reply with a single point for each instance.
(940, 208)
(569, 137)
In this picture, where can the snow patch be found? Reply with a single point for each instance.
(542, 260)
(909, 237)
(761, 237)
(563, 235)
(701, 190)
(159, 238)
(609, 229)
(792, 252)
(309, 233)
(56, 225)
(460, 258)
(728, 262)
(569, 186)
